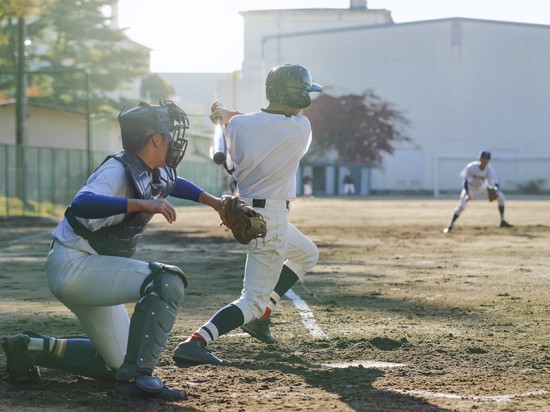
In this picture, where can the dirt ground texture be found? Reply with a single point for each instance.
(415, 320)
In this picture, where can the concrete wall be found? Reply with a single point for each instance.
(48, 127)
(466, 85)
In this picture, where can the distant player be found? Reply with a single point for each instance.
(265, 149)
(479, 179)
(308, 185)
(349, 184)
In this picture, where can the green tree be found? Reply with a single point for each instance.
(359, 127)
(70, 38)
(155, 87)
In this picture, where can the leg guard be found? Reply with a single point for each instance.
(153, 318)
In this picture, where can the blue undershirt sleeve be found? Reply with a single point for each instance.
(89, 205)
(184, 189)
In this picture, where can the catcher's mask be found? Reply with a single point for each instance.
(143, 121)
(290, 84)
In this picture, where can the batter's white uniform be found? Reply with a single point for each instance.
(96, 287)
(265, 150)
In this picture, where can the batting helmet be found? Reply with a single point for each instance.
(290, 84)
(141, 122)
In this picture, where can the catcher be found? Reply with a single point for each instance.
(264, 151)
(479, 178)
(89, 267)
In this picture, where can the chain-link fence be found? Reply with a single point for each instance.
(43, 181)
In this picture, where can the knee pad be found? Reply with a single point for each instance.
(166, 281)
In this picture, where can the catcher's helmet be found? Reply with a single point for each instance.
(139, 123)
(485, 155)
(290, 84)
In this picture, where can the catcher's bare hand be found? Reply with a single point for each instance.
(162, 206)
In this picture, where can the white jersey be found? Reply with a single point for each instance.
(112, 182)
(266, 163)
(478, 178)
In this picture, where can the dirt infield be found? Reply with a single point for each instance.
(397, 316)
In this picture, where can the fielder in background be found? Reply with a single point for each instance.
(264, 152)
(308, 185)
(90, 270)
(349, 184)
(479, 178)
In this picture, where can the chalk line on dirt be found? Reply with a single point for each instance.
(307, 315)
(500, 398)
(364, 364)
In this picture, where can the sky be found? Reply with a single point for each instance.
(206, 36)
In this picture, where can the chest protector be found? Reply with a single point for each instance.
(122, 239)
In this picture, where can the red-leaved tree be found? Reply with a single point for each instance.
(360, 127)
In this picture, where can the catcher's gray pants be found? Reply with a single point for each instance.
(284, 244)
(96, 288)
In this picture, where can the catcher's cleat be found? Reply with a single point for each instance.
(20, 361)
(259, 329)
(504, 223)
(148, 387)
(447, 229)
(194, 352)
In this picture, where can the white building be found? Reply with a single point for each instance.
(466, 85)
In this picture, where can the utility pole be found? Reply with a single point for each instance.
(21, 84)
(21, 111)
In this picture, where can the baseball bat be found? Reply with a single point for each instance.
(219, 146)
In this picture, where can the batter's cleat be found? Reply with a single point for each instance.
(259, 329)
(194, 352)
(447, 229)
(20, 361)
(504, 223)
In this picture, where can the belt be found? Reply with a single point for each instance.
(261, 203)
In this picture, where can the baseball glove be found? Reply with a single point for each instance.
(492, 193)
(244, 222)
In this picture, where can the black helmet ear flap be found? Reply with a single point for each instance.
(136, 124)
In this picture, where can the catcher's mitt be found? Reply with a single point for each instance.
(244, 222)
(492, 193)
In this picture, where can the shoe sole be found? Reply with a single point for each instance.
(129, 390)
(183, 362)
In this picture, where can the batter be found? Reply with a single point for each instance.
(264, 152)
